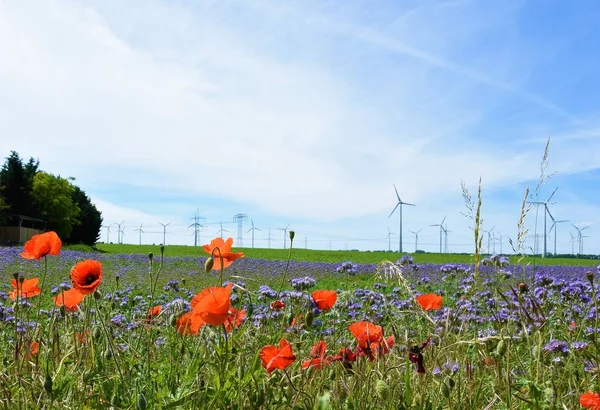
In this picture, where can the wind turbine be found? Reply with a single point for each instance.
(572, 243)
(399, 204)
(284, 235)
(441, 225)
(119, 231)
(141, 231)
(416, 238)
(446, 231)
(122, 235)
(580, 238)
(108, 232)
(220, 231)
(489, 241)
(252, 229)
(389, 235)
(554, 223)
(546, 212)
(165, 232)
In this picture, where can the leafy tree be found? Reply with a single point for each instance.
(16, 184)
(55, 198)
(88, 232)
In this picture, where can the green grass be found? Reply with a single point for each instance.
(338, 256)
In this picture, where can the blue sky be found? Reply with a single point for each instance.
(306, 113)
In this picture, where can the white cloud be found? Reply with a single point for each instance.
(168, 97)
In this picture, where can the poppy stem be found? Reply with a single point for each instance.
(287, 266)
(222, 267)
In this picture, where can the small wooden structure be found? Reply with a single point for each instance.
(18, 229)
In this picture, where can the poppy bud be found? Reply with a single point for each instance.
(142, 403)
(500, 348)
(309, 318)
(162, 249)
(21, 279)
(292, 234)
(97, 295)
(107, 354)
(63, 310)
(97, 333)
(323, 402)
(173, 320)
(183, 281)
(382, 389)
(590, 276)
(48, 384)
(451, 383)
(16, 275)
(523, 288)
(208, 265)
(445, 390)
(150, 256)
(290, 318)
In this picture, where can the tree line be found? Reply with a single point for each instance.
(27, 190)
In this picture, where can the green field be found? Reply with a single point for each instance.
(338, 256)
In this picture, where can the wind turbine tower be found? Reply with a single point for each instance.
(108, 232)
(240, 218)
(141, 231)
(284, 235)
(165, 232)
(546, 212)
(442, 229)
(220, 231)
(416, 238)
(389, 235)
(555, 227)
(119, 231)
(399, 204)
(252, 229)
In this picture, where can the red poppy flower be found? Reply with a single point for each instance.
(153, 312)
(87, 276)
(82, 337)
(273, 357)
(385, 346)
(345, 355)
(415, 355)
(430, 301)
(317, 363)
(38, 246)
(212, 304)
(225, 252)
(318, 350)
(70, 299)
(235, 318)
(366, 333)
(189, 323)
(590, 400)
(276, 305)
(31, 349)
(324, 299)
(29, 288)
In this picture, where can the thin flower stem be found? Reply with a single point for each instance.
(110, 345)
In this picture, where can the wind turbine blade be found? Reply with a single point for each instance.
(547, 210)
(288, 225)
(397, 195)
(551, 195)
(406, 203)
(443, 219)
(394, 210)
(552, 227)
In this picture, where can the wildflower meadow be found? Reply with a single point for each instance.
(217, 330)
